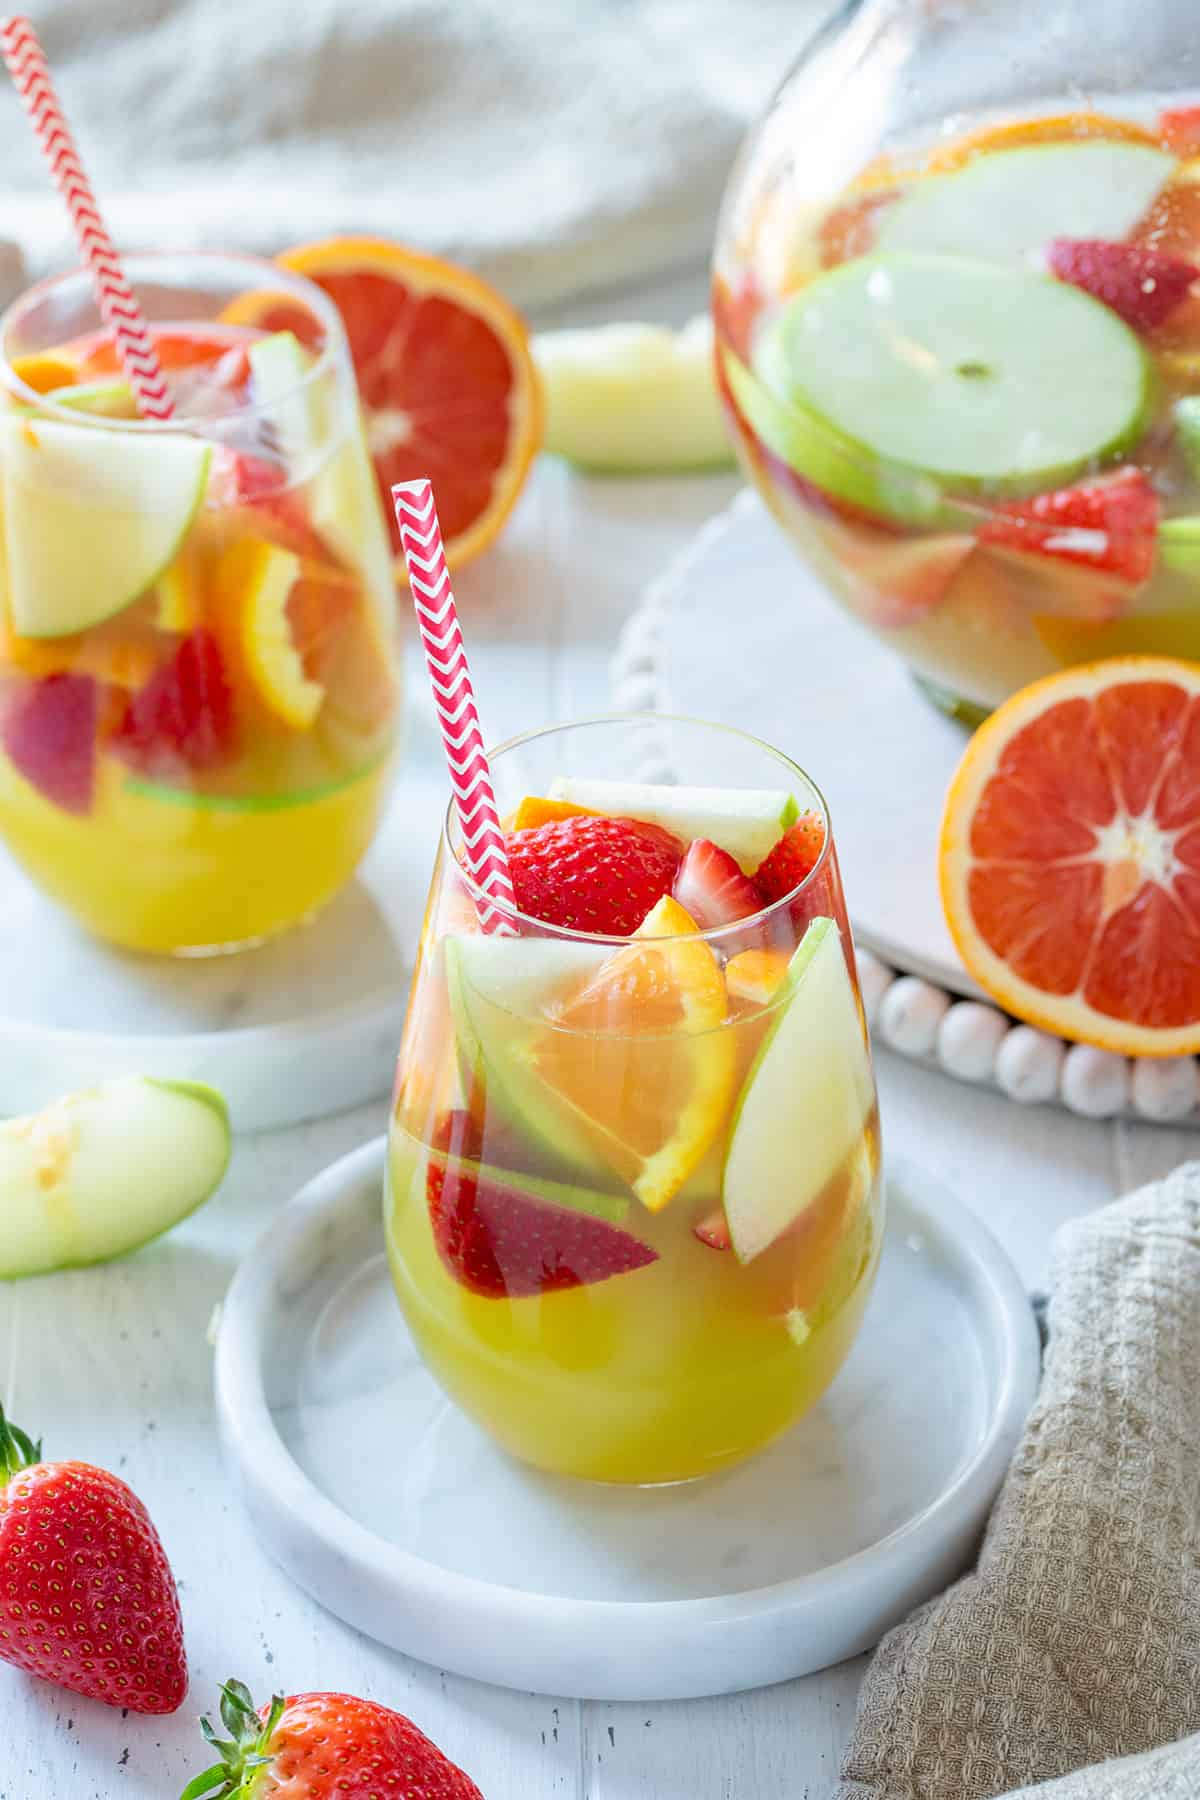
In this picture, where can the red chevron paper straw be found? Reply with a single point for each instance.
(446, 660)
(114, 296)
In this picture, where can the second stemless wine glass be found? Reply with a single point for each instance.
(633, 1207)
(198, 679)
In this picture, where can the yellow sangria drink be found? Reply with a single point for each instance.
(199, 684)
(966, 376)
(633, 1207)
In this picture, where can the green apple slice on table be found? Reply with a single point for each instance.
(806, 1099)
(102, 1171)
(633, 397)
(747, 823)
(1009, 204)
(499, 990)
(327, 451)
(92, 517)
(972, 376)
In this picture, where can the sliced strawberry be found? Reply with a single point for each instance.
(592, 873)
(49, 731)
(792, 859)
(712, 888)
(1141, 285)
(1109, 525)
(498, 1241)
(713, 1230)
(184, 713)
(1179, 129)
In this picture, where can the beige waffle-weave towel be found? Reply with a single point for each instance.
(1077, 1638)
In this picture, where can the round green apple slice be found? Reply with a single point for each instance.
(1009, 204)
(821, 454)
(746, 823)
(92, 517)
(806, 1099)
(101, 1171)
(979, 377)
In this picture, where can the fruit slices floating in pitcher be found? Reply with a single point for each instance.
(968, 386)
(633, 1209)
(198, 687)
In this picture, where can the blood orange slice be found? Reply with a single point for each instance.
(1070, 855)
(445, 375)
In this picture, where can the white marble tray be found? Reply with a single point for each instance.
(804, 676)
(393, 1510)
(303, 1026)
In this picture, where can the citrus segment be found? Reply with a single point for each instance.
(254, 581)
(534, 811)
(43, 371)
(1070, 855)
(447, 383)
(639, 1056)
(1075, 127)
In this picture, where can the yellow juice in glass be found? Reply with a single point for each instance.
(633, 1208)
(198, 679)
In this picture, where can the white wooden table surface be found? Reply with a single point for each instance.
(112, 1364)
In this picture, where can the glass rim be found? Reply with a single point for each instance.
(272, 274)
(712, 935)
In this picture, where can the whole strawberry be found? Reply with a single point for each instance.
(592, 873)
(323, 1747)
(87, 1598)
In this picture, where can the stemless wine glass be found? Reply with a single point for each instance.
(198, 669)
(958, 315)
(633, 1207)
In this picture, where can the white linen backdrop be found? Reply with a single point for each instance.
(557, 146)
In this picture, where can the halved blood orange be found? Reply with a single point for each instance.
(1070, 855)
(447, 381)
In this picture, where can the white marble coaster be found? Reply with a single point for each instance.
(382, 1500)
(305, 1025)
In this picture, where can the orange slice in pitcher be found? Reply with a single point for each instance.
(1070, 855)
(639, 1058)
(445, 375)
(1055, 128)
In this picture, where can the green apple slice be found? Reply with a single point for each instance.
(1179, 544)
(612, 1208)
(631, 397)
(102, 399)
(1009, 204)
(1187, 424)
(806, 1098)
(985, 379)
(820, 453)
(99, 1172)
(92, 517)
(343, 495)
(500, 990)
(744, 822)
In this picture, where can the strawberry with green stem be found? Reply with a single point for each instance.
(87, 1598)
(322, 1747)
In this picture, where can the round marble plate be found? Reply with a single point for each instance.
(804, 676)
(302, 1026)
(383, 1501)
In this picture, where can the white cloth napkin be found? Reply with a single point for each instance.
(1077, 1638)
(554, 145)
